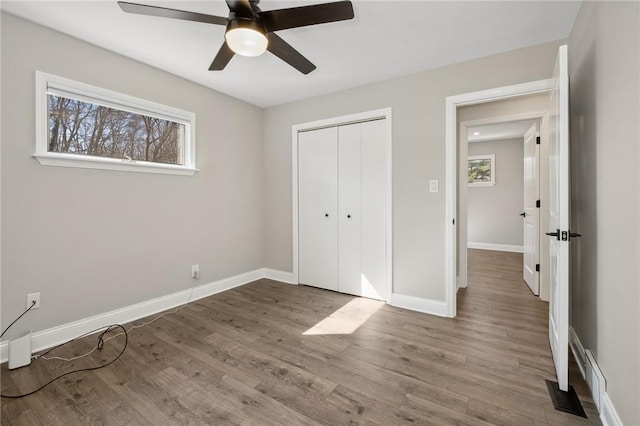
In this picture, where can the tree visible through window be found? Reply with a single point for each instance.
(85, 128)
(481, 170)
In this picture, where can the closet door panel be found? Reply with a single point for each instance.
(317, 208)
(350, 212)
(374, 209)
(307, 207)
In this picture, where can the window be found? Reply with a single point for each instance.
(79, 125)
(481, 170)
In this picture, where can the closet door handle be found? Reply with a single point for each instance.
(326, 215)
(348, 216)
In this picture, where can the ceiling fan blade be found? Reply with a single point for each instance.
(284, 51)
(222, 58)
(282, 19)
(143, 9)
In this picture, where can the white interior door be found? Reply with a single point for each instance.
(362, 209)
(559, 218)
(349, 208)
(318, 208)
(530, 211)
(373, 275)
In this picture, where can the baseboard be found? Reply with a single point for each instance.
(54, 336)
(496, 247)
(608, 414)
(282, 276)
(592, 374)
(427, 306)
(226, 284)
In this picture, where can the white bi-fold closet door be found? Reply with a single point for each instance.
(342, 206)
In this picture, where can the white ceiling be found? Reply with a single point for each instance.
(492, 132)
(385, 39)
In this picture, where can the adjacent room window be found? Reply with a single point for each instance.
(482, 170)
(85, 126)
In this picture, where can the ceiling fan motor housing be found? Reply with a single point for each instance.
(246, 36)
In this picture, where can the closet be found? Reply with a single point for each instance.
(342, 208)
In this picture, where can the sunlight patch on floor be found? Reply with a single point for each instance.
(347, 319)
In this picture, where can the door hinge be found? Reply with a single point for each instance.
(538, 203)
(537, 140)
(537, 267)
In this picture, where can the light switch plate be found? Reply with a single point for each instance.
(433, 186)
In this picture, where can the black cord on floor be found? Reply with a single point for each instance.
(100, 345)
(33, 303)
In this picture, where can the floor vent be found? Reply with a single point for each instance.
(565, 401)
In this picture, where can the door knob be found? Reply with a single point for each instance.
(348, 216)
(326, 215)
(554, 234)
(523, 214)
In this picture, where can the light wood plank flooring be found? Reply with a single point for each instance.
(276, 354)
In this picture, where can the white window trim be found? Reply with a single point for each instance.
(491, 157)
(52, 84)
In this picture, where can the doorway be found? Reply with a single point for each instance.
(452, 173)
(499, 183)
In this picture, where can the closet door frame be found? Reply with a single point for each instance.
(385, 114)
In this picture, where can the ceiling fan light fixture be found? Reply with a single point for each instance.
(246, 38)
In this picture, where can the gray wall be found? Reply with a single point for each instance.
(604, 72)
(493, 211)
(91, 241)
(418, 103)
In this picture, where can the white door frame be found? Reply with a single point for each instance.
(385, 114)
(452, 103)
(463, 214)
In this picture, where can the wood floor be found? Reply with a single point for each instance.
(276, 354)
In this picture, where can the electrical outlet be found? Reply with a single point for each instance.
(33, 297)
(195, 272)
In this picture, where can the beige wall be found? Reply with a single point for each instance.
(535, 103)
(493, 211)
(418, 103)
(91, 241)
(604, 74)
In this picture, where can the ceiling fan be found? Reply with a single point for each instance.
(250, 31)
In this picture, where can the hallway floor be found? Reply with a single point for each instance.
(498, 298)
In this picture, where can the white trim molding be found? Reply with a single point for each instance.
(103, 163)
(496, 247)
(451, 183)
(384, 113)
(608, 414)
(592, 374)
(56, 335)
(419, 304)
(283, 277)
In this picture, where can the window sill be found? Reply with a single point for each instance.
(70, 160)
(482, 184)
